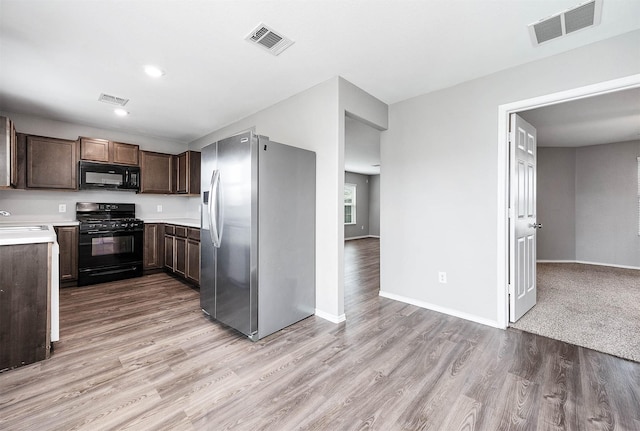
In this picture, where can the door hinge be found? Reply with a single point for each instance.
(511, 292)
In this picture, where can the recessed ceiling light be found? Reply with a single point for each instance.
(153, 71)
(121, 112)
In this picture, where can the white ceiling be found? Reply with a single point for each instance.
(58, 56)
(604, 119)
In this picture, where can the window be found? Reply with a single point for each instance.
(349, 204)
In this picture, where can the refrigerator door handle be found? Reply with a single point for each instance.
(213, 208)
(219, 209)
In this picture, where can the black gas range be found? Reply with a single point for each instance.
(111, 242)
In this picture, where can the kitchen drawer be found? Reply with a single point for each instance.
(169, 229)
(194, 233)
(181, 231)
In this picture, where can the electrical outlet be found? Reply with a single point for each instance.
(362, 228)
(62, 208)
(159, 208)
(442, 277)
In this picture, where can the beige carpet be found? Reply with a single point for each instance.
(591, 306)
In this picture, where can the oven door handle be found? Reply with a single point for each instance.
(94, 232)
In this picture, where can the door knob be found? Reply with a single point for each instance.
(536, 225)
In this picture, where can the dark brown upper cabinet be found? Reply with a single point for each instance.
(125, 154)
(188, 173)
(102, 150)
(51, 163)
(157, 172)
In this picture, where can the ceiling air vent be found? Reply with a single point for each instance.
(268, 39)
(576, 18)
(107, 98)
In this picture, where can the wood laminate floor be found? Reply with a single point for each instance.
(139, 355)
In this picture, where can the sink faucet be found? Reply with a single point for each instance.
(5, 213)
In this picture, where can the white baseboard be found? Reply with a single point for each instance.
(362, 237)
(589, 263)
(439, 309)
(333, 318)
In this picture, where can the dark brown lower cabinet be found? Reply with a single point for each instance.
(182, 252)
(153, 246)
(24, 304)
(68, 243)
(180, 256)
(169, 239)
(168, 252)
(193, 261)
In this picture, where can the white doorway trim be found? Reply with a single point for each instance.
(504, 111)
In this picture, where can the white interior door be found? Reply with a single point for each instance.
(522, 218)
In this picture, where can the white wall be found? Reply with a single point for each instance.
(39, 205)
(440, 168)
(588, 204)
(374, 205)
(42, 205)
(314, 120)
(556, 203)
(607, 204)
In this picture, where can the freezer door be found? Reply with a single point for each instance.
(208, 165)
(236, 269)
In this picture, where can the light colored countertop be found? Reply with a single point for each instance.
(29, 233)
(189, 222)
(28, 222)
(65, 223)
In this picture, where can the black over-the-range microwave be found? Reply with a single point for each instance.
(102, 176)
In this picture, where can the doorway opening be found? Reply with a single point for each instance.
(361, 209)
(504, 112)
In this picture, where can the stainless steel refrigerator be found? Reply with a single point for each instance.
(257, 268)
